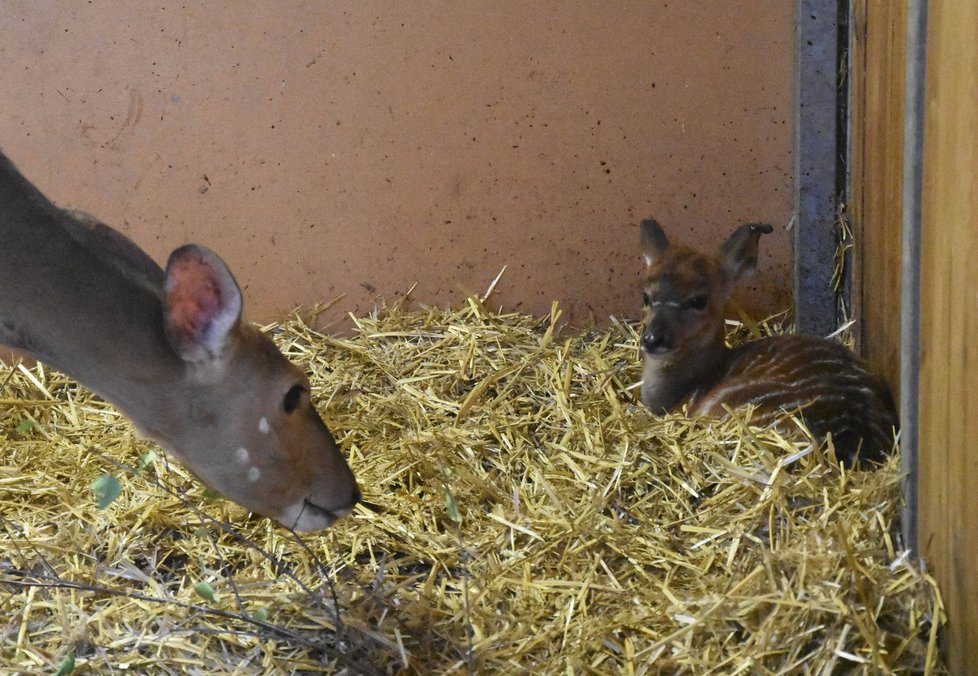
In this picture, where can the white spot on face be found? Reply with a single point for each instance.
(263, 426)
(242, 455)
(254, 474)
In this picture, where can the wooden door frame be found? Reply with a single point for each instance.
(923, 64)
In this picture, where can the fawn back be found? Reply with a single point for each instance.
(687, 363)
(169, 349)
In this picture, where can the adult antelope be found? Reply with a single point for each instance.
(169, 350)
(687, 362)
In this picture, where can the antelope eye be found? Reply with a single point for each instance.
(645, 298)
(697, 302)
(292, 398)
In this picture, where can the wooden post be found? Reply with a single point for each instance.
(878, 62)
(948, 435)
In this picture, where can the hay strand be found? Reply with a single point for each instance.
(524, 513)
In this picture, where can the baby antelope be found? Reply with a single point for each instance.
(688, 364)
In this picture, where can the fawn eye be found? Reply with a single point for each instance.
(292, 398)
(645, 298)
(697, 302)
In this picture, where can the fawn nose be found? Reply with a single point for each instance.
(657, 338)
(656, 341)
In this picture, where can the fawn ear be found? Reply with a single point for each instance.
(201, 303)
(739, 252)
(654, 241)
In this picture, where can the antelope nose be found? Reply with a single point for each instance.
(656, 342)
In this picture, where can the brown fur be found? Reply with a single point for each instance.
(169, 349)
(688, 364)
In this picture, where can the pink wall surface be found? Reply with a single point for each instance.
(358, 148)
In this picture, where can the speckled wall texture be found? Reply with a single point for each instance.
(355, 148)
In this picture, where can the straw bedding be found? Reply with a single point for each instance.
(525, 515)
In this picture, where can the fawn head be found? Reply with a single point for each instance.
(684, 292)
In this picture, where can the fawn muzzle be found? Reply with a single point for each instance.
(656, 340)
(659, 338)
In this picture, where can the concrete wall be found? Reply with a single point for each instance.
(355, 148)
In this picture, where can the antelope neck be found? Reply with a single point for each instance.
(94, 314)
(671, 383)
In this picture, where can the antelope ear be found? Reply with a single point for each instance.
(201, 303)
(654, 240)
(739, 252)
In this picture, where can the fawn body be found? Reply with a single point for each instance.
(687, 363)
(169, 349)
